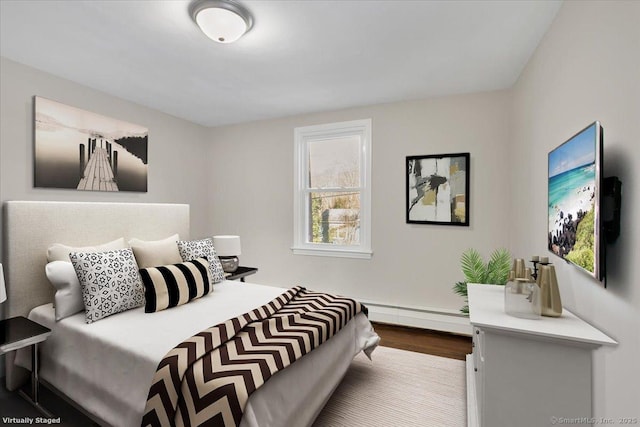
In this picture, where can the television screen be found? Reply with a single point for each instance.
(574, 191)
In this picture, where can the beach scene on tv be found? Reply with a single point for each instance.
(572, 197)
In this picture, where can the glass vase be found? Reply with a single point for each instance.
(522, 298)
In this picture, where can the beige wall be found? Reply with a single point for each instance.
(177, 167)
(413, 265)
(587, 68)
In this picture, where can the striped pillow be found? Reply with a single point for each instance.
(172, 285)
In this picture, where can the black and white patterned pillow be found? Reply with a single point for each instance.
(202, 248)
(110, 282)
(168, 286)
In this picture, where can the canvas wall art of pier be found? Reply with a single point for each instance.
(81, 150)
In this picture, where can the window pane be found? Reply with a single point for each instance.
(334, 218)
(334, 163)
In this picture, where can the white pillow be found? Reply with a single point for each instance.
(110, 282)
(60, 252)
(153, 253)
(68, 297)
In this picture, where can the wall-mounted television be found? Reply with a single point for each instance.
(575, 191)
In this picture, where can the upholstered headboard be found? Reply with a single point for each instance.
(31, 227)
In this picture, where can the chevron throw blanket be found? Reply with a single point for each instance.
(207, 379)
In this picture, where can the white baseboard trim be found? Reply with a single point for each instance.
(419, 317)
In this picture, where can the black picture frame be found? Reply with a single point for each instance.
(438, 189)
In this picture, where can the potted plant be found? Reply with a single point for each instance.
(476, 270)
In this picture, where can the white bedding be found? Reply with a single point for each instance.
(107, 366)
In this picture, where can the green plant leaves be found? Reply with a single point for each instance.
(496, 271)
(460, 288)
(498, 267)
(473, 266)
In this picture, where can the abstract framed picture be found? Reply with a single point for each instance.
(81, 150)
(438, 189)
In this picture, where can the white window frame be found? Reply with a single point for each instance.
(302, 137)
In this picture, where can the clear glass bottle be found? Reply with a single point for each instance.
(522, 297)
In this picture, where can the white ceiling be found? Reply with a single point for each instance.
(300, 56)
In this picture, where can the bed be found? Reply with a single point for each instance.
(113, 390)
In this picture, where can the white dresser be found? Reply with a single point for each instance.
(525, 372)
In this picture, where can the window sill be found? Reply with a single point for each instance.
(333, 252)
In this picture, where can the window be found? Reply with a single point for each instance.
(332, 199)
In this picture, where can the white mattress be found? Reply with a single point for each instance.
(107, 366)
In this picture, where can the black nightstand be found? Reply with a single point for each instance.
(19, 332)
(241, 273)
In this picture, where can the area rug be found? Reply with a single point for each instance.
(398, 388)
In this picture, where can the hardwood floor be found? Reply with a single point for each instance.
(442, 344)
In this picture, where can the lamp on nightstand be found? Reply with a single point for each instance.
(3, 298)
(3, 291)
(227, 249)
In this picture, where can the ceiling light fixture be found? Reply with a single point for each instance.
(224, 21)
